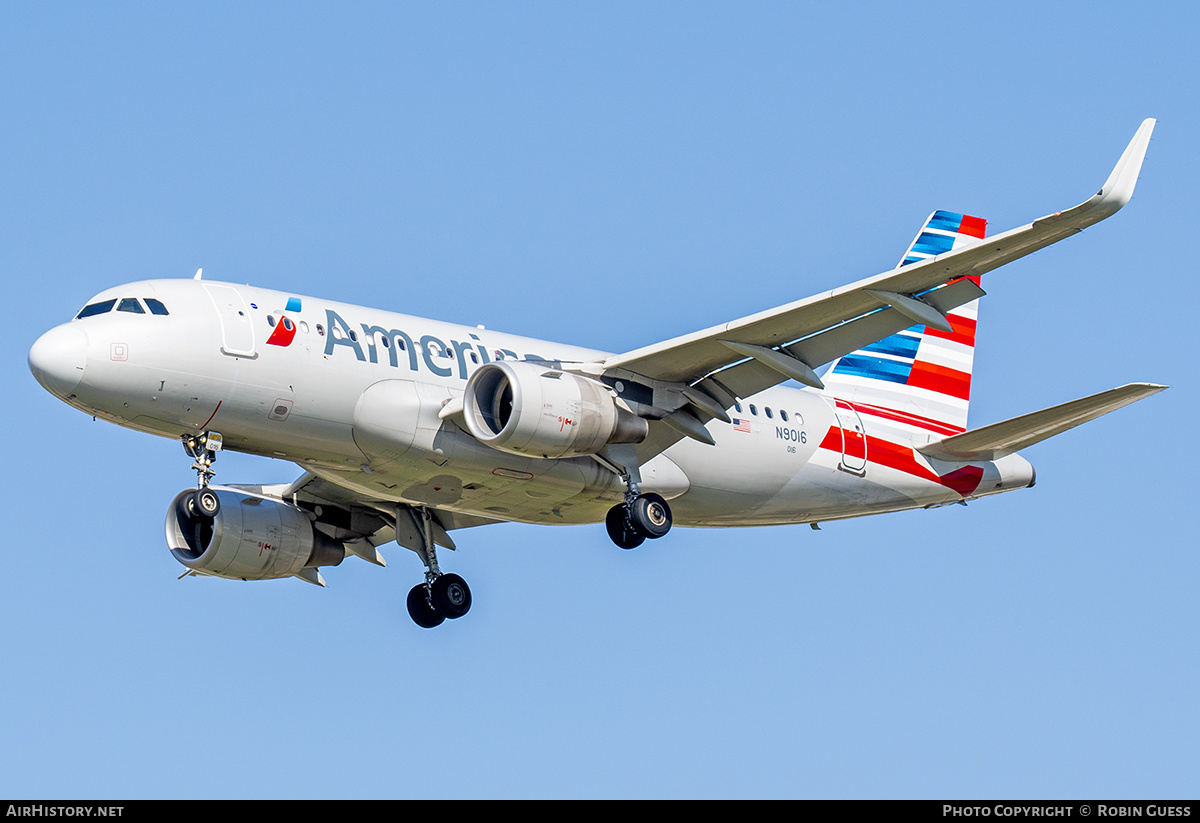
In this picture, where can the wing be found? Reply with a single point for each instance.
(364, 523)
(696, 377)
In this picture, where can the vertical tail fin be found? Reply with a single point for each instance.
(943, 231)
(919, 377)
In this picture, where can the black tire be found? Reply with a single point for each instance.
(197, 530)
(450, 596)
(650, 516)
(420, 610)
(619, 531)
(205, 502)
(184, 509)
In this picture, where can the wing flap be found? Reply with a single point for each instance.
(1009, 436)
(752, 376)
(311, 488)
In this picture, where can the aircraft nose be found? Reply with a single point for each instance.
(58, 357)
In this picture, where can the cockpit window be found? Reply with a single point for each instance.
(96, 308)
(128, 304)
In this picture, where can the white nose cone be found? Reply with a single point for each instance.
(58, 357)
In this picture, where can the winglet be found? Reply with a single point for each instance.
(1117, 189)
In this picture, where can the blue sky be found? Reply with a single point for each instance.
(609, 175)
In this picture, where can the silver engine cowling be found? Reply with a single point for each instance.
(524, 408)
(249, 538)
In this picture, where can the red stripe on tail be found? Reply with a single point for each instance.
(940, 379)
(974, 226)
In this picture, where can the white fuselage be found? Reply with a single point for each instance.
(353, 395)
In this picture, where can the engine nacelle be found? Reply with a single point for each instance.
(250, 538)
(524, 408)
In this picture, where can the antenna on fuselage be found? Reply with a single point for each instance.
(199, 272)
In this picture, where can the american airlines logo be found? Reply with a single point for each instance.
(285, 328)
(438, 356)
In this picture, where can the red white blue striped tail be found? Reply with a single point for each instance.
(942, 232)
(918, 379)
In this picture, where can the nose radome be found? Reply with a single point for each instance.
(58, 357)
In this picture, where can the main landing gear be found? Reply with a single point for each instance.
(431, 602)
(641, 516)
(441, 596)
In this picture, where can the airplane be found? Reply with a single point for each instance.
(409, 429)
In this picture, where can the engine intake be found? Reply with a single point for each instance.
(249, 538)
(524, 408)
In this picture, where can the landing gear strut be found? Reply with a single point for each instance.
(441, 596)
(203, 449)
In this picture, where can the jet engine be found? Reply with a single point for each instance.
(524, 408)
(247, 538)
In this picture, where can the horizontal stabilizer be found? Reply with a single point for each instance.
(1002, 439)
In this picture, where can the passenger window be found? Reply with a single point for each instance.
(753, 409)
(768, 411)
(738, 406)
(96, 308)
(783, 415)
(156, 306)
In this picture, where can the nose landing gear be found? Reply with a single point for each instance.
(203, 449)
